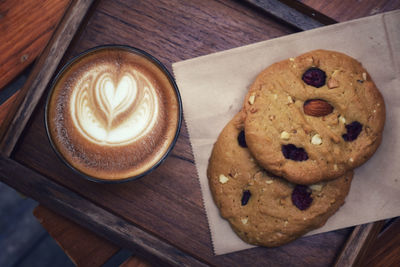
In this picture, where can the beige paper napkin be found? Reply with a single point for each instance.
(213, 88)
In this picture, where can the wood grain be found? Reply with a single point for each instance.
(84, 248)
(135, 262)
(385, 251)
(40, 76)
(25, 29)
(287, 14)
(309, 11)
(357, 244)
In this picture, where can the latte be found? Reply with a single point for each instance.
(113, 113)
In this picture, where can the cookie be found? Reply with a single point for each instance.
(261, 208)
(313, 117)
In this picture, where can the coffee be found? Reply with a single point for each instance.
(113, 113)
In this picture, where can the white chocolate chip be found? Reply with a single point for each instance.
(291, 59)
(285, 135)
(251, 99)
(351, 159)
(374, 111)
(335, 167)
(285, 223)
(316, 139)
(290, 99)
(269, 181)
(342, 119)
(364, 75)
(275, 96)
(223, 179)
(316, 187)
(244, 220)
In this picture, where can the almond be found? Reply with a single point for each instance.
(317, 107)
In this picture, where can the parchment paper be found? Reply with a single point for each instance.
(213, 88)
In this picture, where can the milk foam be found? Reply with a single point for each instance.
(113, 107)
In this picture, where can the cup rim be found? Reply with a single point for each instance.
(130, 49)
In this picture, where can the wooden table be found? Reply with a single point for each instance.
(160, 217)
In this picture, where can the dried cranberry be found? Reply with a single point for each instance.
(353, 130)
(292, 152)
(301, 197)
(241, 139)
(245, 197)
(314, 77)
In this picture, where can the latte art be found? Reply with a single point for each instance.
(113, 110)
(113, 113)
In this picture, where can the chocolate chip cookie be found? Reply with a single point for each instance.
(314, 117)
(261, 208)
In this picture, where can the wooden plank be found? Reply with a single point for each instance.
(40, 76)
(359, 241)
(134, 262)
(289, 15)
(309, 11)
(385, 251)
(91, 216)
(82, 246)
(26, 27)
(351, 9)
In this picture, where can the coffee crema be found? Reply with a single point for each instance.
(113, 113)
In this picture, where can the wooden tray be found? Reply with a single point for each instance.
(160, 217)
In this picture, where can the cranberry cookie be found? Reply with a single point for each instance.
(314, 117)
(261, 208)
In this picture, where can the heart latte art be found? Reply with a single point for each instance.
(113, 110)
(113, 114)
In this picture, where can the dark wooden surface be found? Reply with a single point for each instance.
(167, 203)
